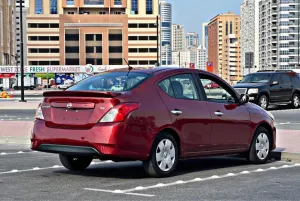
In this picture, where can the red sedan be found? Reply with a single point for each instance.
(211, 85)
(158, 116)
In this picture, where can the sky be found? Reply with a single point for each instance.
(192, 13)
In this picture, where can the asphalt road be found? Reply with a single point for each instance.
(30, 175)
(285, 118)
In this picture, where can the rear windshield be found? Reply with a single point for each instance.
(111, 81)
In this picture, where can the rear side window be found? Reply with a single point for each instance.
(111, 81)
(285, 79)
(180, 86)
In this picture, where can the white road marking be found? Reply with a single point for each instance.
(38, 168)
(161, 185)
(118, 192)
(19, 152)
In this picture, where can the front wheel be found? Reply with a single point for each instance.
(261, 147)
(163, 157)
(263, 101)
(75, 162)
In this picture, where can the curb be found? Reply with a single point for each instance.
(7, 99)
(15, 140)
(286, 156)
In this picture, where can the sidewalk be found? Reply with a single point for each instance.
(16, 105)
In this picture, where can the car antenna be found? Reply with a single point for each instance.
(129, 67)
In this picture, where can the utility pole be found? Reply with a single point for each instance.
(157, 40)
(22, 54)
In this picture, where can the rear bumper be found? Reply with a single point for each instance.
(106, 141)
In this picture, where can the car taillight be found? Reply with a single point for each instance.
(39, 113)
(119, 112)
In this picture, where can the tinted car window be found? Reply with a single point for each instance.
(276, 77)
(111, 81)
(180, 86)
(256, 78)
(285, 79)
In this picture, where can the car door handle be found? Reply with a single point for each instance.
(219, 114)
(176, 112)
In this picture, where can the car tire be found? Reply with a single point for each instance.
(296, 101)
(260, 148)
(263, 101)
(163, 158)
(74, 162)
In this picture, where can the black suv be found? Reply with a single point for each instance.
(271, 87)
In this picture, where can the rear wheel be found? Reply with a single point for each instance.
(296, 101)
(263, 101)
(75, 162)
(163, 157)
(261, 146)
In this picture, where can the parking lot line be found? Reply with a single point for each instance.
(180, 182)
(119, 192)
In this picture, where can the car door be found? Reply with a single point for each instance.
(188, 111)
(286, 87)
(275, 89)
(231, 125)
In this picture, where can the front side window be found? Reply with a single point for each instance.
(111, 81)
(215, 91)
(38, 6)
(180, 86)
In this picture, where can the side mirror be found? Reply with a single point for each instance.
(274, 83)
(244, 98)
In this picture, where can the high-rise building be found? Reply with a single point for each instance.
(7, 32)
(279, 35)
(178, 40)
(25, 5)
(72, 32)
(224, 46)
(201, 57)
(191, 40)
(205, 35)
(166, 32)
(249, 36)
(185, 58)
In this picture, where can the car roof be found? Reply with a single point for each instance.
(153, 70)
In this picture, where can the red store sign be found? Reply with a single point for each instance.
(7, 75)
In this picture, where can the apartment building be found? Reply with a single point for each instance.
(7, 32)
(185, 58)
(249, 36)
(201, 57)
(166, 32)
(279, 34)
(97, 32)
(178, 40)
(224, 46)
(191, 40)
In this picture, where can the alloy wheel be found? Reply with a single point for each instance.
(296, 101)
(165, 155)
(262, 146)
(263, 102)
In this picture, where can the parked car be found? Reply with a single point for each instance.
(271, 87)
(211, 85)
(66, 84)
(160, 116)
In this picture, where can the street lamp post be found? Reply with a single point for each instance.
(22, 53)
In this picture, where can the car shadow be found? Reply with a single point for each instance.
(134, 170)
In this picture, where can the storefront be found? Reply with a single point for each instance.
(53, 75)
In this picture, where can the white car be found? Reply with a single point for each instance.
(66, 84)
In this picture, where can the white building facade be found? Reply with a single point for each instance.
(249, 36)
(185, 58)
(166, 32)
(178, 40)
(201, 57)
(205, 36)
(191, 40)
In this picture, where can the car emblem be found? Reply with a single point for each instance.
(69, 105)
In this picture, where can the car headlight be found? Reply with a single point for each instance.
(271, 115)
(252, 91)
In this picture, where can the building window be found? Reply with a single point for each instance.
(38, 6)
(89, 49)
(98, 49)
(115, 49)
(226, 28)
(115, 37)
(230, 27)
(53, 6)
(149, 7)
(115, 61)
(72, 61)
(70, 2)
(134, 7)
(89, 37)
(72, 49)
(118, 2)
